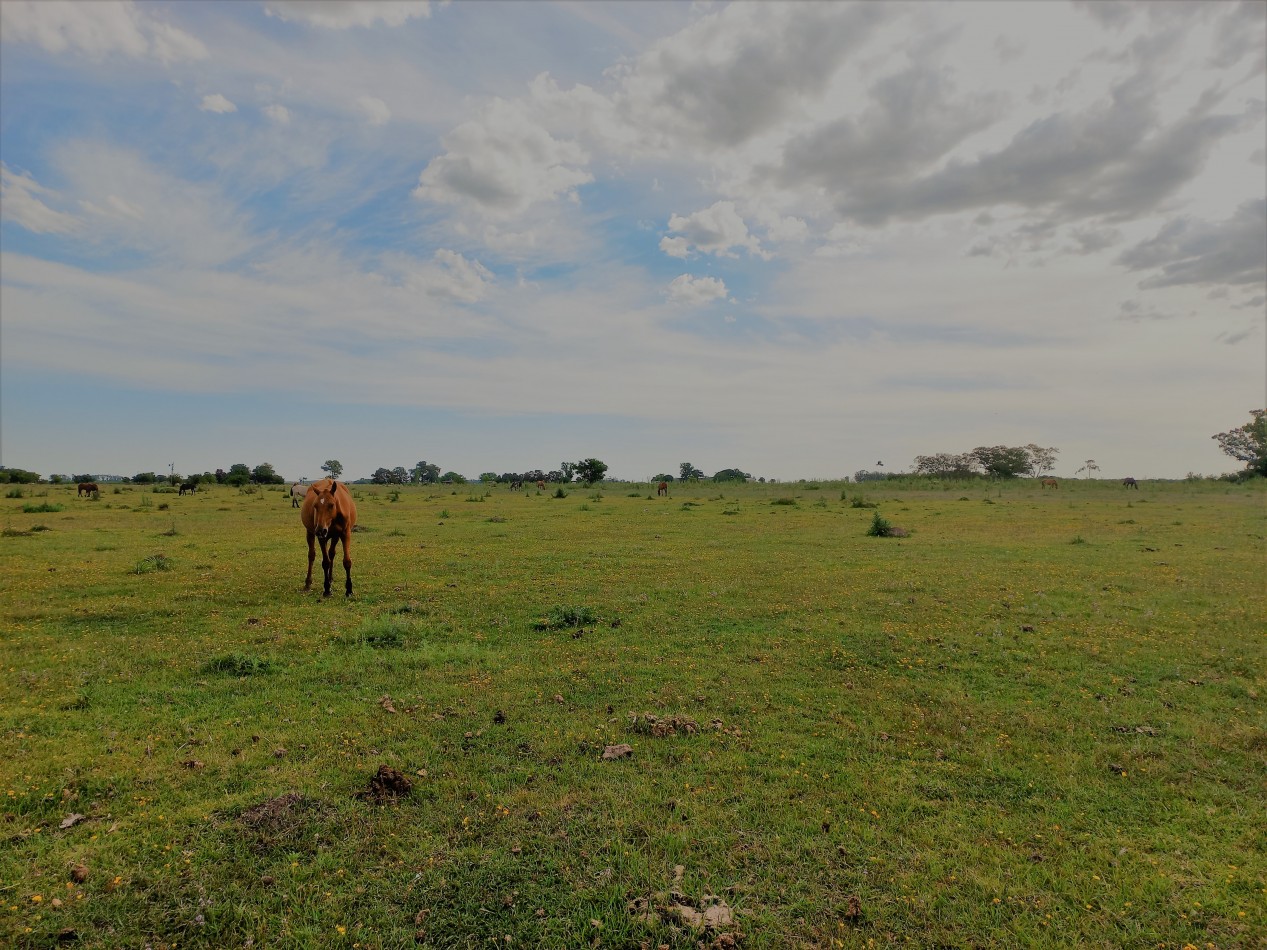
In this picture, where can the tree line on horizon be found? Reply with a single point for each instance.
(1246, 443)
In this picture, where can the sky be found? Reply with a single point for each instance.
(795, 239)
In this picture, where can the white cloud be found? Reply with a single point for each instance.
(695, 291)
(502, 164)
(98, 29)
(277, 113)
(450, 275)
(217, 103)
(345, 14)
(715, 230)
(20, 202)
(375, 110)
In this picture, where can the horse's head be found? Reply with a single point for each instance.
(326, 507)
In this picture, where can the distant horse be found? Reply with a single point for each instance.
(297, 492)
(190, 487)
(328, 515)
(1129, 482)
(541, 485)
(1049, 483)
(517, 485)
(89, 489)
(662, 489)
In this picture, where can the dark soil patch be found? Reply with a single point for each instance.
(387, 785)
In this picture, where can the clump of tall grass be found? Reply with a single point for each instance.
(42, 507)
(561, 617)
(155, 562)
(241, 664)
(883, 528)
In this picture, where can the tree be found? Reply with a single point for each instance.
(1001, 461)
(591, 470)
(238, 475)
(265, 474)
(731, 475)
(1041, 460)
(488, 477)
(333, 467)
(688, 472)
(568, 470)
(941, 465)
(662, 478)
(1248, 443)
(1089, 467)
(424, 473)
(19, 476)
(144, 478)
(453, 478)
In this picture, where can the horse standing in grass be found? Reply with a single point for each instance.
(541, 485)
(1129, 482)
(662, 489)
(89, 489)
(297, 492)
(191, 487)
(1049, 483)
(328, 515)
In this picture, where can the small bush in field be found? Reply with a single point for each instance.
(155, 562)
(784, 501)
(15, 493)
(558, 618)
(42, 507)
(882, 528)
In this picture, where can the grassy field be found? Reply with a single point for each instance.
(1038, 720)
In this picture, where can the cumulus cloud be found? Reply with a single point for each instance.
(345, 14)
(695, 291)
(454, 277)
(715, 230)
(1114, 160)
(503, 163)
(1191, 251)
(277, 113)
(217, 103)
(375, 110)
(97, 30)
(20, 200)
(737, 73)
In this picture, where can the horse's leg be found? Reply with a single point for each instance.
(327, 562)
(347, 560)
(312, 553)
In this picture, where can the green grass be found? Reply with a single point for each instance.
(978, 735)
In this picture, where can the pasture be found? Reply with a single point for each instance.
(1035, 721)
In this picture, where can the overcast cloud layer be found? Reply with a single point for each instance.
(796, 239)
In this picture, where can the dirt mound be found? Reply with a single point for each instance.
(387, 785)
(661, 726)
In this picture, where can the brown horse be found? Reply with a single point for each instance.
(191, 487)
(541, 485)
(1129, 482)
(1049, 483)
(89, 489)
(329, 514)
(662, 489)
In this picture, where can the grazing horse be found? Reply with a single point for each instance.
(328, 515)
(190, 487)
(297, 492)
(662, 489)
(1129, 482)
(1049, 483)
(541, 485)
(89, 489)
(517, 485)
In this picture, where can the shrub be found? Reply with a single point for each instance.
(560, 493)
(15, 493)
(155, 562)
(558, 618)
(41, 508)
(860, 502)
(240, 664)
(784, 501)
(881, 528)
